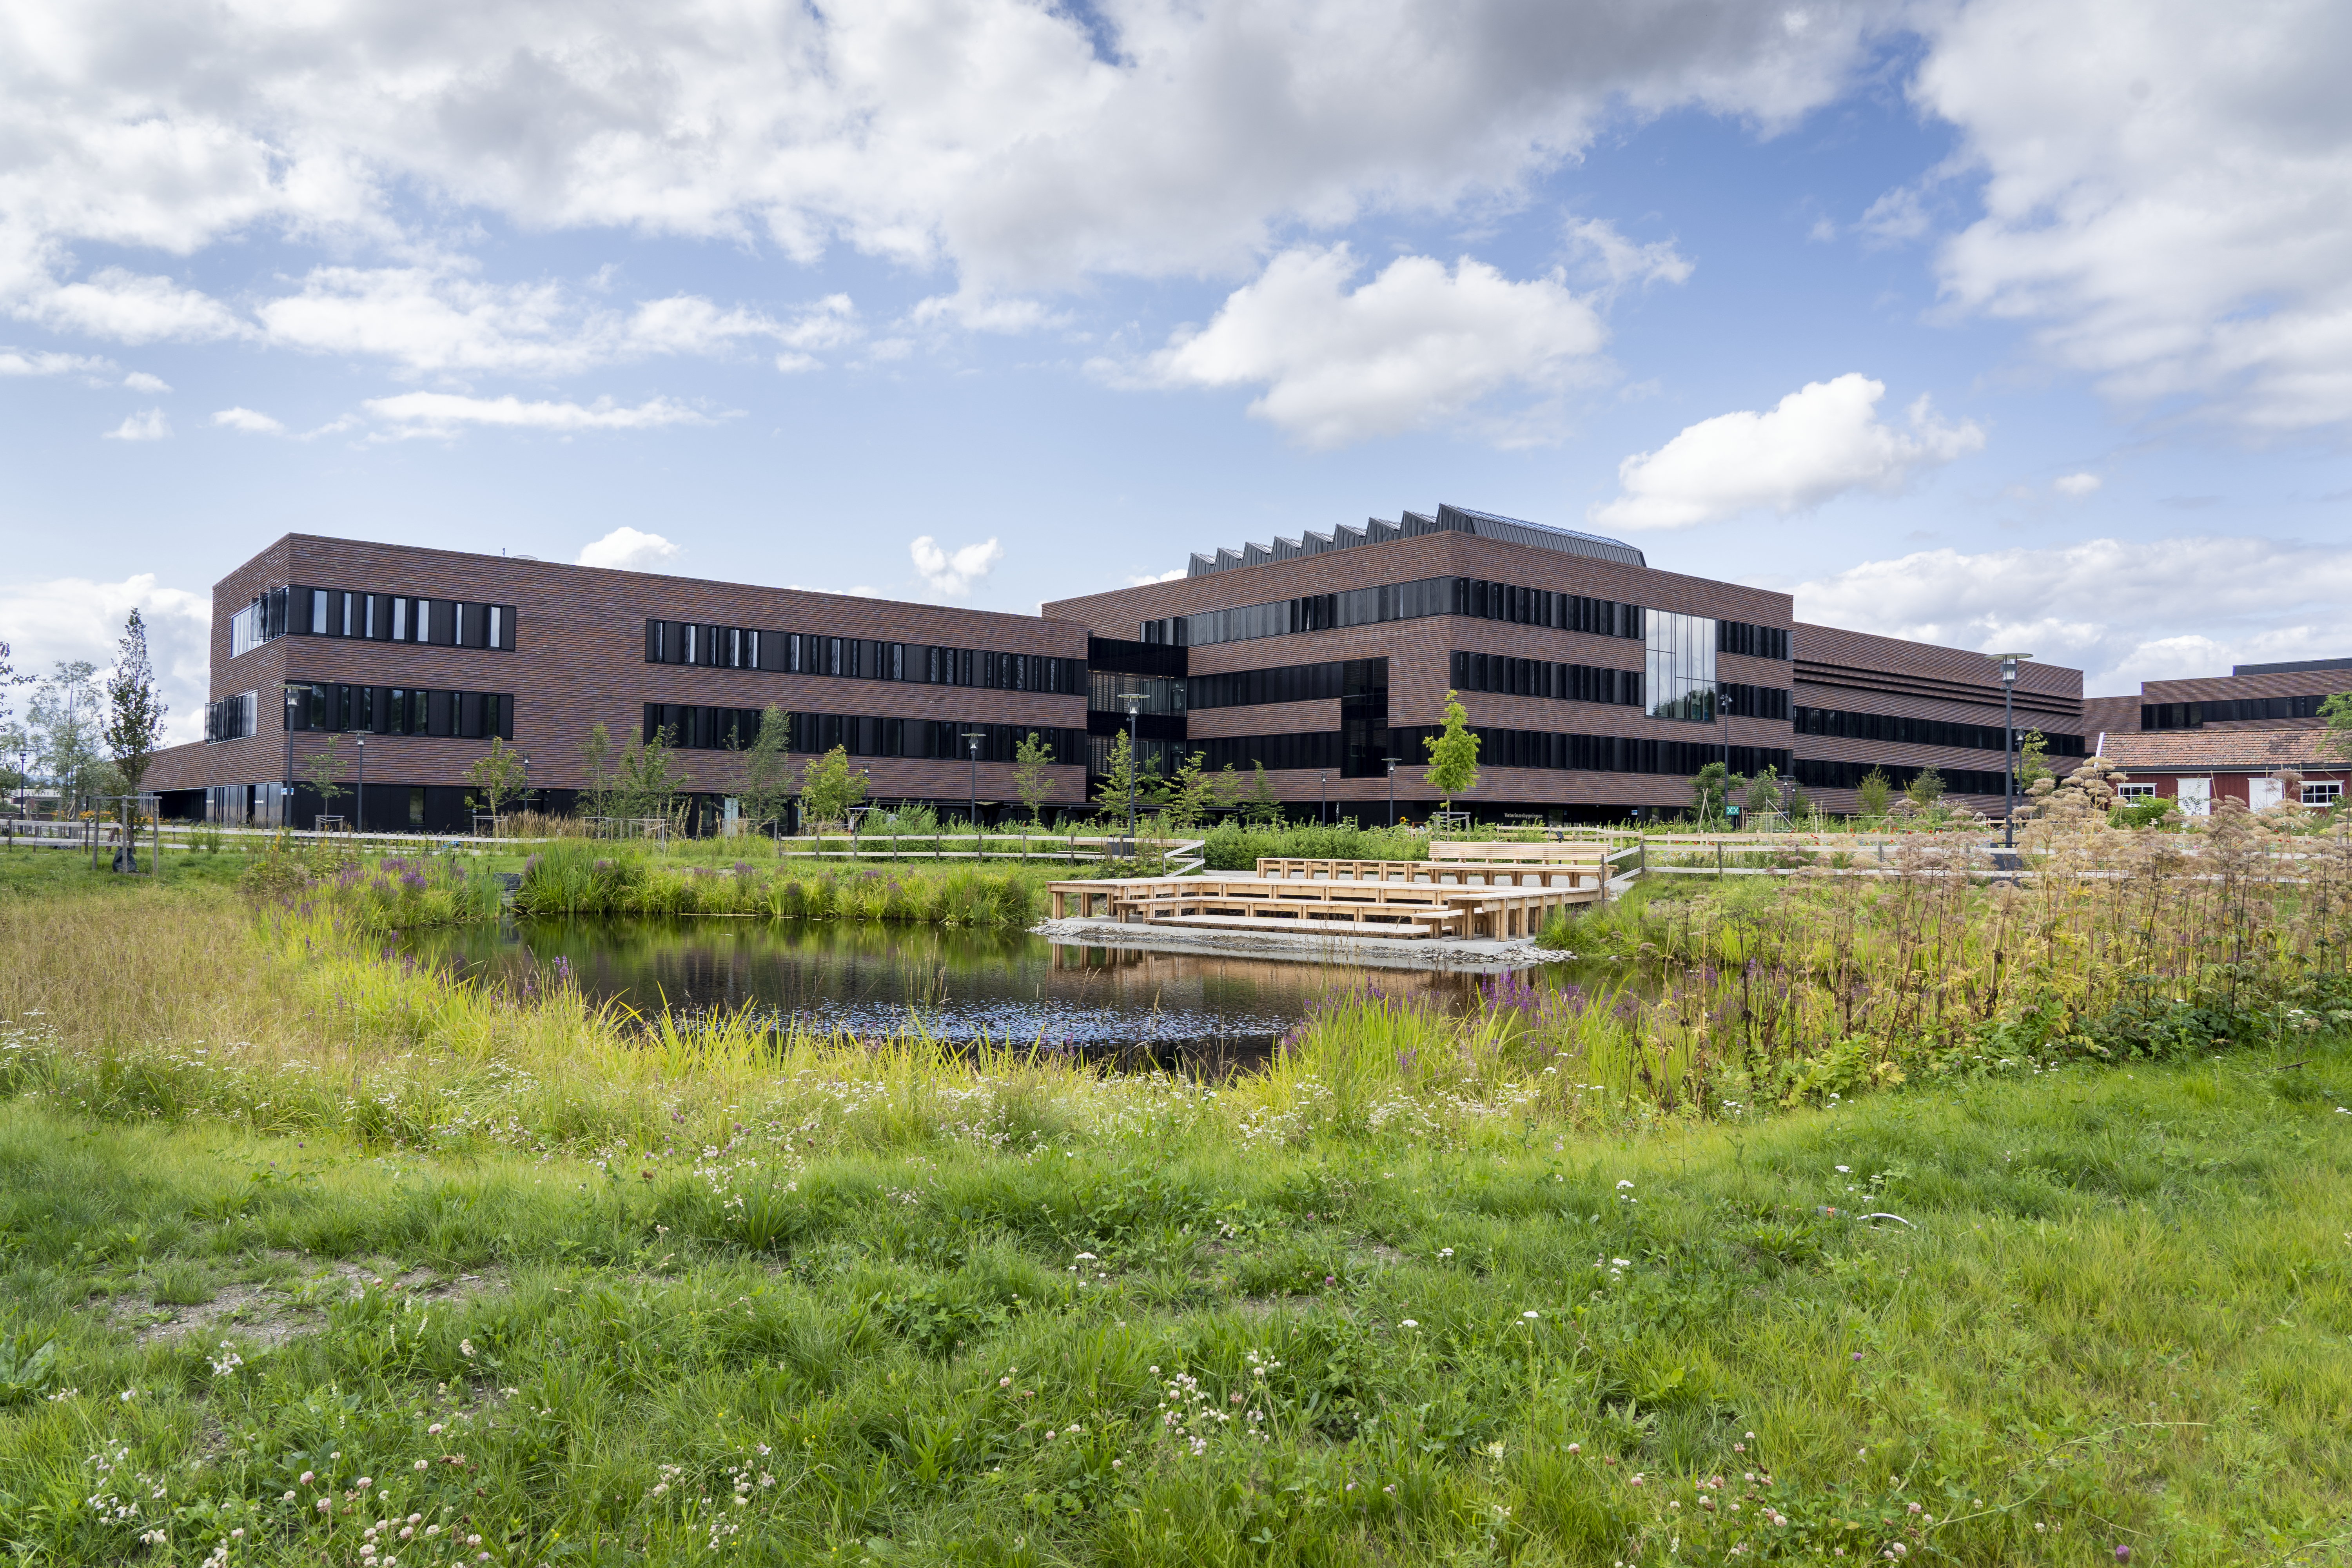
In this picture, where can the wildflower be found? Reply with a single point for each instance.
(1007, 1383)
(306, 1477)
(1845, 1170)
(465, 1349)
(1408, 1323)
(1576, 1448)
(1620, 1262)
(1529, 1316)
(363, 1483)
(325, 1504)
(2123, 1554)
(420, 1464)
(1442, 1252)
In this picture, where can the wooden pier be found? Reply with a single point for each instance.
(1371, 897)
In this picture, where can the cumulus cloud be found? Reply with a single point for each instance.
(1621, 261)
(952, 573)
(251, 421)
(66, 618)
(1819, 442)
(1170, 575)
(1416, 346)
(149, 425)
(627, 550)
(2163, 195)
(140, 381)
(440, 317)
(16, 361)
(1028, 145)
(119, 304)
(445, 413)
(2122, 611)
(2076, 485)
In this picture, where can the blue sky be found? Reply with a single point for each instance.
(1988, 322)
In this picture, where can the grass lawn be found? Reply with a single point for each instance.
(2120, 1315)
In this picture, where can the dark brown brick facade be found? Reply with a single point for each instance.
(580, 659)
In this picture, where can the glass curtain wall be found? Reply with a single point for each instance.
(1680, 675)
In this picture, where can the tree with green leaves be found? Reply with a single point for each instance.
(1712, 788)
(2032, 758)
(135, 711)
(1111, 793)
(646, 777)
(1195, 792)
(322, 770)
(597, 762)
(496, 776)
(1259, 806)
(1033, 777)
(766, 792)
(1453, 755)
(1927, 789)
(64, 717)
(1875, 793)
(1764, 793)
(2338, 711)
(830, 786)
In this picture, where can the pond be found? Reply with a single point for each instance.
(1008, 987)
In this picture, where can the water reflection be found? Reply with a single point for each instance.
(1008, 987)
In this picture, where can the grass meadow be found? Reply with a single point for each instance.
(311, 1255)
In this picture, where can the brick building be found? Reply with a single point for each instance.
(1598, 684)
(2251, 697)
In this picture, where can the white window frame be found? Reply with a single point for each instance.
(2138, 791)
(2325, 794)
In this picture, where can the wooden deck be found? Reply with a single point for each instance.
(1341, 906)
(1577, 876)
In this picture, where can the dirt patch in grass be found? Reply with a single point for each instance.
(292, 1302)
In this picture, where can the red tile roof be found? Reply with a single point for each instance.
(2225, 751)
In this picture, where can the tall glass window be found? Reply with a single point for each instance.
(1681, 670)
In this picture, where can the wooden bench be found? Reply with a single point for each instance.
(1587, 852)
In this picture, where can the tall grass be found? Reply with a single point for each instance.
(579, 878)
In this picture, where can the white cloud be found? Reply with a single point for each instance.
(440, 317)
(627, 550)
(78, 618)
(149, 425)
(251, 421)
(998, 135)
(119, 304)
(1415, 347)
(980, 312)
(1821, 441)
(2123, 611)
(140, 381)
(2077, 484)
(2163, 193)
(445, 413)
(1621, 261)
(953, 574)
(1146, 581)
(16, 362)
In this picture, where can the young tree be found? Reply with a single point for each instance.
(1453, 755)
(646, 777)
(319, 772)
(597, 759)
(1111, 795)
(496, 774)
(1195, 792)
(1033, 779)
(1259, 807)
(64, 719)
(767, 788)
(1711, 790)
(1764, 791)
(1927, 789)
(135, 710)
(830, 786)
(1875, 793)
(2032, 758)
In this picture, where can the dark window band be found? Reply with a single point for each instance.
(859, 658)
(401, 711)
(2196, 715)
(1896, 728)
(399, 618)
(1469, 596)
(1496, 748)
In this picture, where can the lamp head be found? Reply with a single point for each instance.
(1134, 700)
(2009, 662)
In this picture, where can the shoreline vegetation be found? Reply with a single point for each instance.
(306, 1245)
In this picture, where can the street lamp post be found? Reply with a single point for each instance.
(2008, 746)
(972, 738)
(359, 798)
(286, 815)
(1134, 702)
(1323, 801)
(1392, 763)
(1723, 706)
